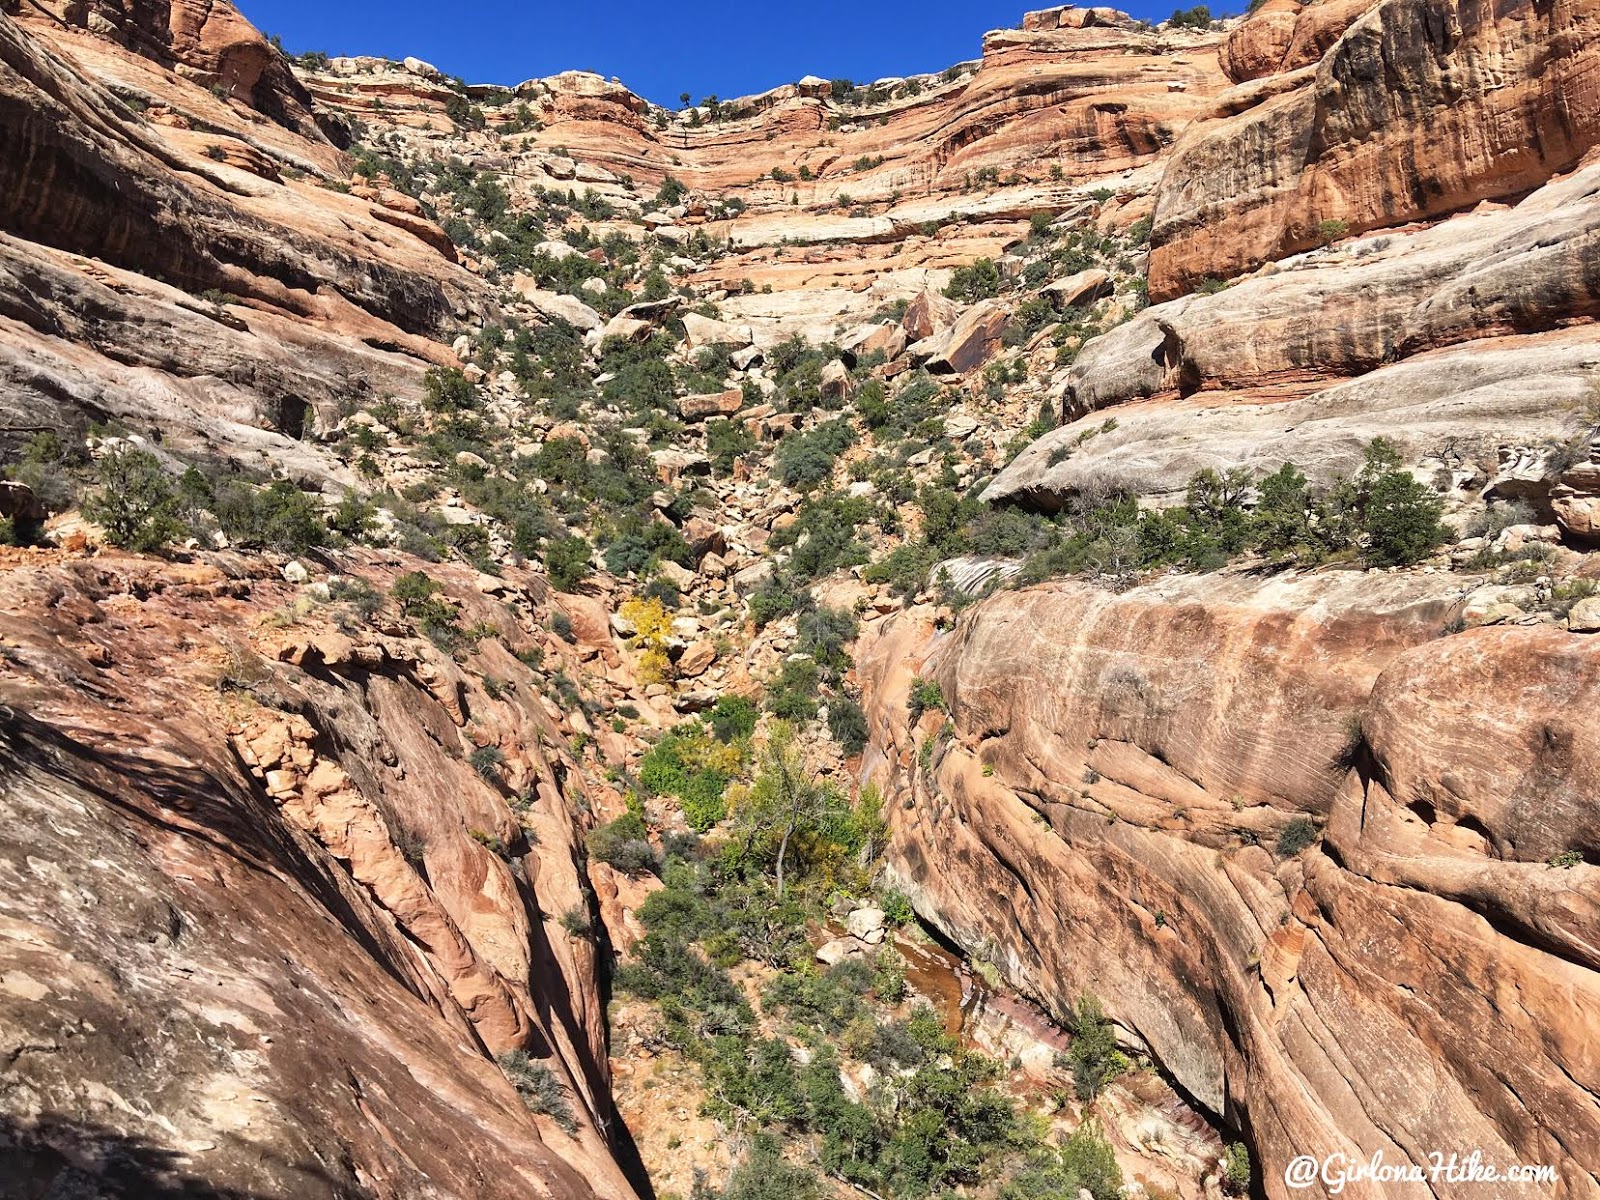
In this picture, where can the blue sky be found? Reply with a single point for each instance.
(657, 47)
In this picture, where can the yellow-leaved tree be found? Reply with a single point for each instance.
(652, 627)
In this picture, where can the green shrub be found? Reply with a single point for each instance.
(1093, 1054)
(1331, 230)
(924, 696)
(447, 389)
(135, 502)
(823, 633)
(1400, 516)
(727, 442)
(1296, 836)
(847, 724)
(792, 694)
(277, 517)
(487, 762)
(1236, 1171)
(421, 600)
(625, 845)
(1198, 17)
(566, 560)
(539, 1088)
(1089, 1158)
(575, 922)
(804, 460)
(732, 718)
(980, 281)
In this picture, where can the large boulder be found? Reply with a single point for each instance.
(1076, 290)
(927, 314)
(700, 332)
(557, 305)
(882, 338)
(714, 404)
(972, 341)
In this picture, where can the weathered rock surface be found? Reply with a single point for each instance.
(1106, 816)
(256, 943)
(1416, 111)
(83, 174)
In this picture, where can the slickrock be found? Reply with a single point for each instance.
(286, 950)
(1106, 817)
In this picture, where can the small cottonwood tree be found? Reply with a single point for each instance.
(784, 800)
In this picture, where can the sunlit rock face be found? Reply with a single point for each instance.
(1112, 810)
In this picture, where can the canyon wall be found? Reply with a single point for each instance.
(267, 925)
(1102, 814)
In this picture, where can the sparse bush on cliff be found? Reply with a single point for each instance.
(539, 1088)
(575, 922)
(847, 724)
(624, 844)
(1236, 1169)
(1296, 836)
(1093, 1054)
(487, 761)
(792, 693)
(923, 697)
(1331, 230)
(422, 601)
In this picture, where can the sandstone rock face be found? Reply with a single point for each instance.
(1421, 976)
(84, 176)
(1416, 111)
(1283, 35)
(1488, 315)
(206, 39)
(256, 943)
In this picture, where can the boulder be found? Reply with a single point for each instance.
(556, 305)
(834, 952)
(867, 925)
(1576, 502)
(703, 331)
(672, 465)
(1585, 616)
(959, 428)
(972, 341)
(928, 314)
(1083, 288)
(835, 381)
(18, 502)
(697, 659)
(715, 404)
(753, 576)
(704, 537)
(883, 338)
(627, 329)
